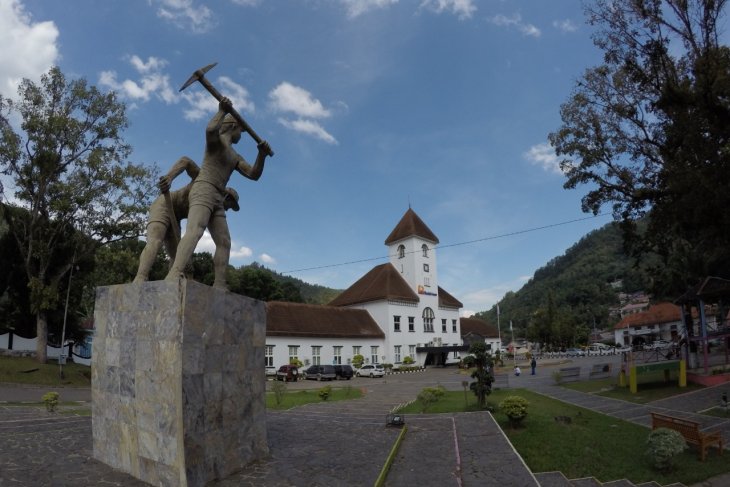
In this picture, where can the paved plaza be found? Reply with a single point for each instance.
(332, 444)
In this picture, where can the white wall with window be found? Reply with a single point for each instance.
(280, 350)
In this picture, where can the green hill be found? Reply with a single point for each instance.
(573, 290)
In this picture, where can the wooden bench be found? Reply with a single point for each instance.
(569, 374)
(690, 430)
(600, 371)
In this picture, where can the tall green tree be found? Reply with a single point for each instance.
(647, 131)
(70, 173)
(482, 374)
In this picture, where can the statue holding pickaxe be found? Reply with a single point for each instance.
(208, 192)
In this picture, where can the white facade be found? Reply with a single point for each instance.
(407, 325)
(313, 351)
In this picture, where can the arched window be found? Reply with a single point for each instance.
(401, 251)
(424, 247)
(428, 317)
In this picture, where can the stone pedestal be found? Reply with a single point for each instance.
(177, 381)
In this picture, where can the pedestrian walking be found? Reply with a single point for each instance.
(533, 364)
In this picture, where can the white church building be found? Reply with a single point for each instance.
(395, 310)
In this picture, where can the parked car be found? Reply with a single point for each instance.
(370, 370)
(344, 371)
(659, 344)
(575, 352)
(320, 372)
(270, 371)
(599, 348)
(288, 373)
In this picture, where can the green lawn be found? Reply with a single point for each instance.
(651, 387)
(300, 398)
(27, 370)
(592, 444)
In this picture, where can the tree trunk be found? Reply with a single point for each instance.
(41, 347)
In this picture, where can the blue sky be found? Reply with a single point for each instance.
(369, 105)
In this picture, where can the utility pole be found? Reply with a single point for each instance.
(62, 357)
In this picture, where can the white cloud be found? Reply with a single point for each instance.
(484, 299)
(185, 14)
(309, 127)
(29, 48)
(515, 21)
(247, 3)
(201, 103)
(206, 244)
(356, 8)
(152, 81)
(463, 9)
(267, 259)
(290, 99)
(566, 25)
(241, 253)
(543, 155)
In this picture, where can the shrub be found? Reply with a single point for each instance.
(279, 389)
(663, 444)
(296, 361)
(468, 362)
(408, 360)
(324, 393)
(515, 408)
(556, 376)
(428, 396)
(51, 401)
(357, 361)
(388, 367)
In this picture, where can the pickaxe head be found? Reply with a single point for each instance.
(197, 75)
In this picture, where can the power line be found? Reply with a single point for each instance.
(468, 242)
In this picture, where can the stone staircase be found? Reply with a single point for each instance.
(557, 479)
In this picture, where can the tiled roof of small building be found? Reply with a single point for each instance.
(382, 282)
(656, 314)
(309, 320)
(411, 225)
(478, 327)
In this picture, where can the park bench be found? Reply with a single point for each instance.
(690, 430)
(600, 371)
(569, 374)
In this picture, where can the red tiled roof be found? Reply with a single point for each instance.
(382, 282)
(310, 320)
(478, 327)
(447, 300)
(411, 225)
(656, 314)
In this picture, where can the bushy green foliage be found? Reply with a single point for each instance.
(408, 360)
(50, 399)
(467, 362)
(428, 396)
(357, 361)
(324, 393)
(663, 445)
(279, 390)
(296, 361)
(515, 408)
(482, 375)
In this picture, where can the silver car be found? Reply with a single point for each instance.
(370, 370)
